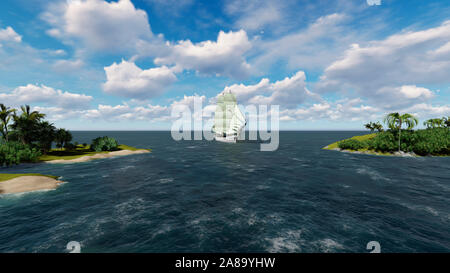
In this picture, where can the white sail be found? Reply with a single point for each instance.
(237, 122)
(228, 119)
(219, 121)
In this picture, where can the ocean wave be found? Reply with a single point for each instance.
(288, 241)
(191, 147)
(328, 245)
(127, 167)
(165, 180)
(374, 175)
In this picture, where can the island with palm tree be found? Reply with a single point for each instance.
(27, 137)
(400, 139)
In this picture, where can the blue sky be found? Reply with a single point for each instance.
(123, 65)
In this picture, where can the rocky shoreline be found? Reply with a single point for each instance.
(368, 152)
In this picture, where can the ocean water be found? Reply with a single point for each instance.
(201, 196)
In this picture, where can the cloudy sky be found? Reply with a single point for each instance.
(124, 64)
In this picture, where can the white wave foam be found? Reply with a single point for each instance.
(238, 210)
(127, 167)
(191, 147)
(289, 241)
(165, 180)
(329, 245)
(374, 175)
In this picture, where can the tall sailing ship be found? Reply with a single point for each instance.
(228, 120)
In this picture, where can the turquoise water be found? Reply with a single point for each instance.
(200, 196)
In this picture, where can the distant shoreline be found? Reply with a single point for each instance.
(334, 147)
(29, 182)
(83, 154)
(97, 156)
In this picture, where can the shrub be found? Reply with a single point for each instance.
(352, 144)
(433, 141)
(70, 147)
(384, 142)
(14, 153)
(104, 144)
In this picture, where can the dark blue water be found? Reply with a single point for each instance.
(200, 196)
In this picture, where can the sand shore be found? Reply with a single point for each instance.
(98, 156)
(28, 183)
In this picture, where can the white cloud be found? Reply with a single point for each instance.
(347, 109)
(59, 113)
(9, 35)
(44, 94)
(128, 80)
(394, 97)
(254, 15)
(405, 59)
(288, 93)
(126, 112)
(100, 25)
(426, 110)
(67, 65)
(225, 57)
(312, 47)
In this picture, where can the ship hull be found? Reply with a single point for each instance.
(227, 139)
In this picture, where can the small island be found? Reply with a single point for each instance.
(396, 141)
(28, 138)
(83, 153)
(18, 183)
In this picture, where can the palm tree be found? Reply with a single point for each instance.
(428, 123)
(26, 124)
(377, 126)
(62, 138)
(395, 122)
(446, 121)
(45, 135)
(372, 126)
(34, 116)
(5, 116)
(369, 126)
(435, 123)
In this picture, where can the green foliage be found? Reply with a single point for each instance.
(446, 121)
(372, 126)
(435, 123)
(395, 121)
(384, 142)
(6, 114)
(433, 141)
(104, 144)
(62, 138)
(14, 153)
(352, 144)
(45, 134)
(70, 147)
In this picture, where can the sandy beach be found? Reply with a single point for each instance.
(28, 183)
(98, 156)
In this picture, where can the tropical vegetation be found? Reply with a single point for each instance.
(372, 126)
(104, 144)
(400, 137)
(395, 121)
(25, 136)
